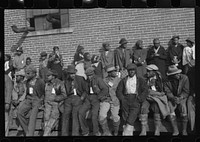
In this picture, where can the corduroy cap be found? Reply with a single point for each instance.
(89, 71)
(131, 66)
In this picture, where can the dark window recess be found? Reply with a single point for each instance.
(48, 19)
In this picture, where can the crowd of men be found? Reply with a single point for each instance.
(127, 82)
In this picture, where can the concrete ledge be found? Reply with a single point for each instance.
(50, 32)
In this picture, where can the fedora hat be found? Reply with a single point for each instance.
(131, 66)
(190, 40)
(71, 69)
(173, 70)
(152, 67)
(110, 68)
(123, 41)
(43, 54)
(175, 36)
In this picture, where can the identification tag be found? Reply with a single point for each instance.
(75, 92)
(110, 84)
(53, 91)
(91, 91)
(30, 90)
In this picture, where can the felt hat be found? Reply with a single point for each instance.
(175, 36)
(105, 44)
(89, 71)
(152, 67)
(173, 70)
(52, 72)
(21, 73)
(123, 41)
(71, 69)
(190, 40)
(30, 68)
(43, 54)
(131, 66)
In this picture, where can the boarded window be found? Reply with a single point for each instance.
(47, 19)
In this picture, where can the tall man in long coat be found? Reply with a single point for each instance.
(122, 57)
(158, 56)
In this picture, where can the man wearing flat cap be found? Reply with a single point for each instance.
(158, 56)
(156, 100)
(97, 92)
(177, 91)
(132, 92)
(175, 51)
(55, 61)
(43, 66)
(54, 96)
(106, 57)
(122, 57)
(19, 61)
(34, 97)
(76, 94)
(112, 81)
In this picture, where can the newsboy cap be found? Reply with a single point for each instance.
(89, 71)
(71, 69)
(21, 73)
(190, 40)
(30, 68)
(131, 66)
(52, 72)
(110, 68)
(152, 67)
(43, 54)
(175, 36)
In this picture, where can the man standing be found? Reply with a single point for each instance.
(156, 100)
(75, 86)
(56, 61)
(34, 98)
(131, 91)
(157, 55)
(177, 91)
(43, 61)
(54, 95)
(19, 61)
(106, 57)
(93, 86)
(122, 57)
(175, 51)
(112, 81)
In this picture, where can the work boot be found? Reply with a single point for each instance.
(116, 127)
(143, 119)
(157, 123)
(105, 128)
(128, 130)
(174, 125)
(184, 125)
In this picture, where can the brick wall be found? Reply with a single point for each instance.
(94, 26)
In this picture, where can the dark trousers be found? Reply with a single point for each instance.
(149, 104)
(26, 118)
(91, 102)
(130, 109)
(71, 105)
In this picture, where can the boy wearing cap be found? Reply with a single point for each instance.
(75, 90)
(97, 91)
(54, 95)
(106, 57)
(175, 51)
(43, 69)
(112, 81)
(78, 56)
(56, 61)
(156, 100)
(122, 57)
(177, 91)
(34, 97)
(19, 61)
(131, 91)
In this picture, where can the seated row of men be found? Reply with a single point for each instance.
(133, 94)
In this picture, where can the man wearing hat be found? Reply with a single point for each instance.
(177, 91)
(175, 51)
(34, 97)
(97, 92)
(156, 100)
(56, 61)
(54, 95)
(132, 92)
(43, 62)
(158, 56)
(75, 90)
(19, 61)
(106, 57)
(122, 57)
(18, 93)
(112, 81)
